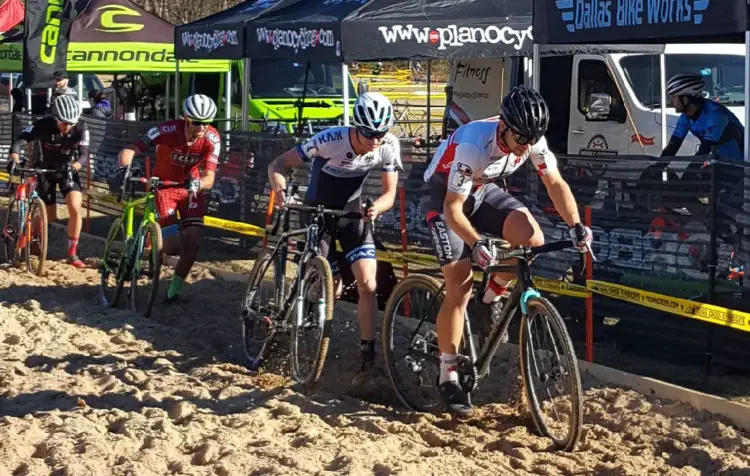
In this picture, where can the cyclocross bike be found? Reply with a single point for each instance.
(25, 222)
(126, 250)
(301, 305)
(412, 357)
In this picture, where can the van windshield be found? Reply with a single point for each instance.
(286, 79)
(723, 74)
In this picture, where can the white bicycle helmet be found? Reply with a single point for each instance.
(199, 107)
(373, 112)
(66, 109)
(689, 84)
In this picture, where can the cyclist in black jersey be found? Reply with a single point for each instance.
(64, 147)
(340, 159)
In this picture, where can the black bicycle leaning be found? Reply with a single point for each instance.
(301, 304)
(412, 357)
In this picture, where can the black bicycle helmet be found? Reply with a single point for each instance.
(525, 112)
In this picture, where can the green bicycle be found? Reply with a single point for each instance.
(134, 256)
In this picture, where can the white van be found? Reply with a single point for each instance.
(572, 84)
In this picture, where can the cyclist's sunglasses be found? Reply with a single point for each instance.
(71, 124)
(520, 139)
(200, 123)
(372, 135)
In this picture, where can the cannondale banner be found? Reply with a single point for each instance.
(47, 31)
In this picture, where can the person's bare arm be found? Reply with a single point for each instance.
(279, 167)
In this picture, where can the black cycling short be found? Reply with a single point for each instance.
(487, 208)
(355, 243)
(48, 182)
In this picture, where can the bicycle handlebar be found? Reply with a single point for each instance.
(33, 170)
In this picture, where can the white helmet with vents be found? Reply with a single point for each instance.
(373, 112)
(689, 84)
(199, 107)
(66, 109)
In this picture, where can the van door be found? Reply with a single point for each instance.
(598, 118)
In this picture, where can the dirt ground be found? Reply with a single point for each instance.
(90, 391)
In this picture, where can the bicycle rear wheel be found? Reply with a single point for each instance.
(411, 354)
(544, 340)
(144, 284)
(260, 307)
(10, 232)
(113, 268)
(36, 234)
(309, 355)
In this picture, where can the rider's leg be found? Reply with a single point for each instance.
(192, 229)
(74, 199)
(364, 271)
(171, 239)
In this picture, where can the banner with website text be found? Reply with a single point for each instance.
(45, 43)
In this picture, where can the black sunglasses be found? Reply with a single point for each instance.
(371, 134)
(200, 123)
(520, 139)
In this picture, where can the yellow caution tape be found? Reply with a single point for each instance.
(561, 287)
(237, 227)
(682, 307)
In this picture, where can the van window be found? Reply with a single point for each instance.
(594, 77)
(723, 74)
(285, 79)
(236, 84)
(208, 84)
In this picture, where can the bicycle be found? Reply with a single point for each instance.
(27, 231)
(126, 264)
(288, 305)
(422, 350)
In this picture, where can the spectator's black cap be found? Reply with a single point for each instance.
(61, 75)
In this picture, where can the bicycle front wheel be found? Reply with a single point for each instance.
(36, 237)
(144, 284)
(10, 232)
(549, 367)
(113, 268)
(311, 330)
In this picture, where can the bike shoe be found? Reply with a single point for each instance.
(76, 262)
(454, 399)
(367, 372)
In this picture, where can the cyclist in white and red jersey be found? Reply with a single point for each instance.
(187, 150)
(463, 201)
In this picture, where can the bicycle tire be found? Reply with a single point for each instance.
(152, 230)
(575, 422)
(9, 242)
(249, 318)
(120, 268)
(37, 202)
(321, 266)
(413, 281)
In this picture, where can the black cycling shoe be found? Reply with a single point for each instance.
(367, 371)
(454, 399)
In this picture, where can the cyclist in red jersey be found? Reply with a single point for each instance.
(186, 150)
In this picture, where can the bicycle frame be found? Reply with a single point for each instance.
(24, 193)
(281, 253)
(519, 298)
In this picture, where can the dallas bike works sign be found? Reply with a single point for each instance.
(608, 21)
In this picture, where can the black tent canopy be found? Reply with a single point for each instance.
(438, 29)
(222, 35)
(642, 21)
(309, 30)
(450, 29)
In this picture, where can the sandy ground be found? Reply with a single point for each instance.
(89, 391)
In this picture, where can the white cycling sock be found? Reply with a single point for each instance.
(448, 368)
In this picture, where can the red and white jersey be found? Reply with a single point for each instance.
(472, 156)
(175, 159)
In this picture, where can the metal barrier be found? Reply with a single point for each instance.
(669, 235)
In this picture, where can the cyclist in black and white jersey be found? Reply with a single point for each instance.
(64, 142)
(340, 159)
(464, 200)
